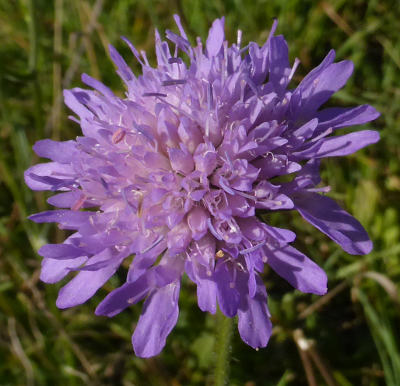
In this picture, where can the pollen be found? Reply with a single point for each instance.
(219, 254)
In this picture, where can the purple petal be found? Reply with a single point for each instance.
(124, 296)
(65, 200)
(65, 217)
(337, 117)
(160, 314)
(215, 37)
(227, 295)
(124, 70)
(277, 166)
(181, 161)
(60, 251)
(340, 145)
(301, 272)
(281, 235)
(62, 152)
(254, 324)
(86, 283)
(179, 238)
(197, 221)
(327, 216)
(97, 85)
(76, 106)
(142, 261)
(56, 171)
(207, 295)
(54, 270)
(321, 83)
(279, 62)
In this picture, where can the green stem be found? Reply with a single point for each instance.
(223, 329)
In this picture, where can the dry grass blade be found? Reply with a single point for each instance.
(336, 18)
(323, 300)
(388, 285)
(303, 346)
(18, 350)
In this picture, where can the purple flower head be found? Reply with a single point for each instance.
(175, 173)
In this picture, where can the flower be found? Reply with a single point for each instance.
(176, 172)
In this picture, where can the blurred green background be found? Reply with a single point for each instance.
(348, 337)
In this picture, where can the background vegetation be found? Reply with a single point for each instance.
(348, 337)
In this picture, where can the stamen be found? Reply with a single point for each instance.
(212, 229)
(239, 38)
(154, 94)
(324, 189)
(79, 203)
(133, 49)
(143, 53)
(328, 131)
(174, 60)
(226, 187)
(173, 82)
(240, 193)
(253, 248)
(104, 183)
(210, 96)
(158, 241)
(295, 65)
(118, 136)
(219, 254)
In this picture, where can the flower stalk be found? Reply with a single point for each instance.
(223, 332)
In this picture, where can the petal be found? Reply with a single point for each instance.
(179, 238)
(54, 270)
(124, 70)
(281, 235)
(301, 272)
(142, 261)
(189, 134)
(181, 161)
(227, 295)
(327, 216)
(71, 100)
(55, 176)
(160, 314)
(337, 117)
(65, 217)
(204, 251)
(277, 166)
(254, 324)
(197, 221)
(97, 85)
(239, 206)
(332, 79)
(279, 62)
(215, 37)
(124, 296)
(86, 283)
(62, 152)
(207, 295)
(316, 72)
(340, 145)
(60, 251)
(65, 200)
(252, 228)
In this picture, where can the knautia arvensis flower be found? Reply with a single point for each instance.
(174, 174)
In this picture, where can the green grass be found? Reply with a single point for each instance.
(352, 334)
